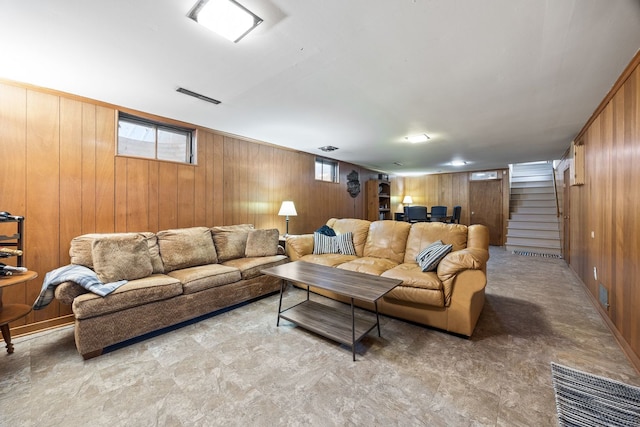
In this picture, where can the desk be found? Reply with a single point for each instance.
(11, 312)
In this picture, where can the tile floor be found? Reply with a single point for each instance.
(238, 368)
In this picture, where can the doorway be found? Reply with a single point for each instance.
(485, 203)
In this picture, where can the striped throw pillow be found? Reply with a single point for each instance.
(430, 259)
(423, 253)
(323, 244)
(345, 243)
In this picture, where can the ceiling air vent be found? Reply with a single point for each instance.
(327, 148)
(197, 95)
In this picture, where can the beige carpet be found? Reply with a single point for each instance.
(238, 368)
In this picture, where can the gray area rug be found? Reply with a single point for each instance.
(584, 399)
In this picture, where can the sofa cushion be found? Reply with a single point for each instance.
(81, 247)
(262, 243)
(330, 260)
(359, 228)
(156, 287)
(250, 267)
(369, 265)
(412, 276)
(230, 240)
(195, 279)
(121, 257)
(407, 294)
(186, 247)
(388, 240)
(424, 233)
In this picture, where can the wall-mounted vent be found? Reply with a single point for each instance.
(197, 95)
(603, 296)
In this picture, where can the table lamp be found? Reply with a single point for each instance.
(287, 209)
(407, 200)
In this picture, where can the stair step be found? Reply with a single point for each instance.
(540, 234)
(532, 190)
(534, 250)
(533, 196)
(533, 203)
(533, 225)
(534, 243)
(534, 217)
(535, 210)
(547, 179)
(532, 184)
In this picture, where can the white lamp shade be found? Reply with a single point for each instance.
(287, 208)
(407, 200)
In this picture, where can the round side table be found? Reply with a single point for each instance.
(11, 312)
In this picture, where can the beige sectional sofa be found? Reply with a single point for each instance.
(173, 276)
(450, 298)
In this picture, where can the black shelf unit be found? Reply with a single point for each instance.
(15, 240)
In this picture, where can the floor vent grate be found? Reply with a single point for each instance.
(527, 253)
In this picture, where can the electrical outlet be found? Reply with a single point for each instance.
(595, 273)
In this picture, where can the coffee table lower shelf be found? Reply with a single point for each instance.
(330, 322)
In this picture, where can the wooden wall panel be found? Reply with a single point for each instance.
(13, 166)
(106, 126)
(88, 194)
(42, 214)
(607, 206)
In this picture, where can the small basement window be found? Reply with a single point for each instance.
(326, 170)
(139, 137)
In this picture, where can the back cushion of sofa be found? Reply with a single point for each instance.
(186, 247)
(422, 234)
(387, 239)
(81, 247)
(359, 228)
(230, 240)
(121, 257)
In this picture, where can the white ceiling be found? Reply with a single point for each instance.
(492, 82)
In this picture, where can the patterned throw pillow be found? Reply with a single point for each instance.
(340, 244)
(426, 250)
(323, 244)
(430, 256)
(345, 244)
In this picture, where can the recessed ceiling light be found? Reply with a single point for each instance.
(458, 163)
(423, 137)
(328, 148)
(226, 17)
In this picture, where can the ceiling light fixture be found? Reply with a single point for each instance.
(328, 148)
(458, 163)
(226, 17)
(423, 137)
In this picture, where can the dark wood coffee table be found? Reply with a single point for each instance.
(325, 320)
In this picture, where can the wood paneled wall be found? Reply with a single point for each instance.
(447, 189)
(608, 205)
(60, 171)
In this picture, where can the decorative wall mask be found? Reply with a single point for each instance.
(353, 184)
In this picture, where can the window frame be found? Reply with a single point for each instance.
(335, 169)
(190, 133)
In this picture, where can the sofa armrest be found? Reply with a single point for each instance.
(66, 292)
(458, 261)
(298, 246)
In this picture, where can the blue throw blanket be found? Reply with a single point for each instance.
(83, 276)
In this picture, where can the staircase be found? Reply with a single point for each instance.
(533, 227)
